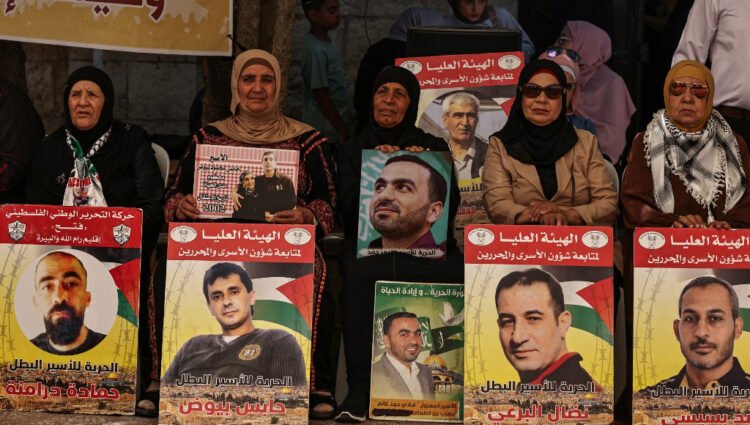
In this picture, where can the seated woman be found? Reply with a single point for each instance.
(568, 61)
(394, 105)
(127, 175)
(257, 122)
(603, 96)
(688, 169)
(541, 170)
(477, 13)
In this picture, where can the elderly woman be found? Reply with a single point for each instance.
(479, 13)
(117, 158)
(395, 98)
(602, 95)
(541, 170)
(687, 169)
(257, 122)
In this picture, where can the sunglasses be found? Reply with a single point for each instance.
(555, 51)
(678, 88)
(553, 91)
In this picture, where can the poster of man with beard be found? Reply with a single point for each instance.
(404, 198)
(691, 315)
(71, 283)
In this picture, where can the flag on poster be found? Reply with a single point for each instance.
(237, 323)
(70, 289)
(419, 325)
(464, 100)
(404, 203)
(244, 183)
(177, 27)
(539, 324)
(690, 332)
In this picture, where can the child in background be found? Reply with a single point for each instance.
(326, 98)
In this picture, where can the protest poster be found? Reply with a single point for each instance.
(464, 100)
(404, 200)
(244, 183)
(539, 325)
(237, 324)
(417, 326)
(69, 282)
(691, 321)
(177, 27)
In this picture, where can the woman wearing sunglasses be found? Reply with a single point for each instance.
(687, 169)
(539, 169)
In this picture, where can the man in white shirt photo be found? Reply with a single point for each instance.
(397, 375)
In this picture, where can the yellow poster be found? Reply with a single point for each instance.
(183, 27)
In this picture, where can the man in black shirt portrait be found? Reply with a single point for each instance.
(241, 348)
(274, 190)
(61, 296)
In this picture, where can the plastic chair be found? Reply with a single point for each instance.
(162, 158)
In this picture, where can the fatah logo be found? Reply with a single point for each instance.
(16, 230)
(250, 352)
(122, 234)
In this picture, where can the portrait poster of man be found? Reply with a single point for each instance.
(465, 99)
(417, 351)
(404, 202)
(690, 326)
(70, 292)
(245, 184)
(539, 326)
(237, 324)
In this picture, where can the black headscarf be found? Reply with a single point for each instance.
(541, 146)
(457, 13)
(404, 131)
(96, 75)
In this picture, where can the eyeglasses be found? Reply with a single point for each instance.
(678, 88)
(555, 51)
(553, 91)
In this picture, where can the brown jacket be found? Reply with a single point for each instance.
(510, 186)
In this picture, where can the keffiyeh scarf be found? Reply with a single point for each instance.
(706, 162)
(84, 186)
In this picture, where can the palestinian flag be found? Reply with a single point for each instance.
(286, 301)
(126, 277)
(743, 293)
(592, 306)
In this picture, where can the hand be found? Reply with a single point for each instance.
(387, 148)
(415, 149)
(721, 225)
(553, 219)
(236, 204)
(692, 221)
(538, 209)
(187, 208)
(299, 215)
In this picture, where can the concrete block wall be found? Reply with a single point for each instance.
(156, 91)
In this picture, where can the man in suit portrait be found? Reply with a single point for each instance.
(397, 374)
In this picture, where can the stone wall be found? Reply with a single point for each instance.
(156, 91)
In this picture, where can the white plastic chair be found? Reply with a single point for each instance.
(612, 171)
(162, 158)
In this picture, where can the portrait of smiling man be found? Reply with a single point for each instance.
(61, 297)
(460, 119)
(241, 348)
(408, 198)
(533, 326)
(707, 328)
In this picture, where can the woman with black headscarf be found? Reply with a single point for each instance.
(112, 164)
(540, 169)
(394, 112)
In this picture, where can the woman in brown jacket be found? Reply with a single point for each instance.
(539, 169)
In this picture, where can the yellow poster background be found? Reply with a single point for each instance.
(186, 27)
(656, 351)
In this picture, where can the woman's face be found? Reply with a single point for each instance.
(257, 88)
(565, 39)
(472, 10)
(687, 110)
(390, 103)
(85, 103)
(542, 110)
